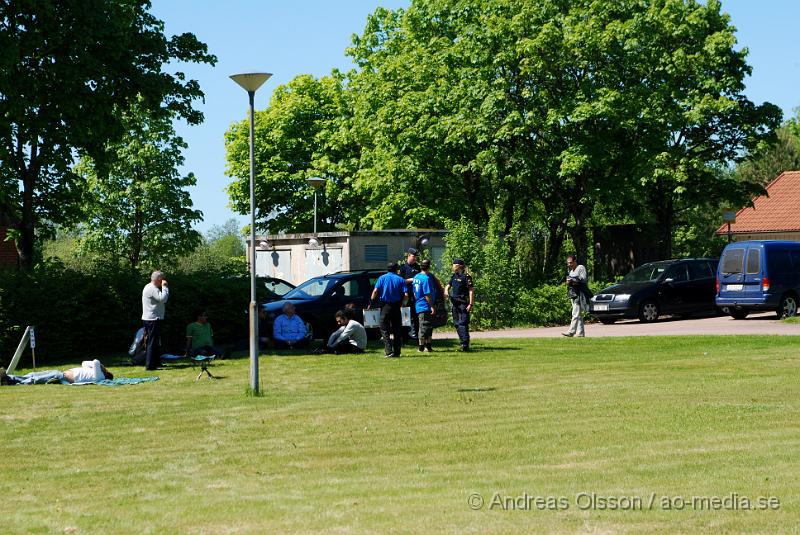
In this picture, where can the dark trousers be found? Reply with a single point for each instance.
(414, 329)
(391, 325)
(299, 344)
(461, 321)
(343, 347)
(152, 357)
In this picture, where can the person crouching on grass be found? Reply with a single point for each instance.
(350, 337)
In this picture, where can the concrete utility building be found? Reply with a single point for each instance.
(297, 257)
(774, 216)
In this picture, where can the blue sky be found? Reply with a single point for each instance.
(309, 36)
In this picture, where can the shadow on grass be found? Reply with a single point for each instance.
(479, 389)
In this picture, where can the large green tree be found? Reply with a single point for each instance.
(303, 133)
(541, 118)
(68, 71)
(769, 160)
(137, 206)
(550, 109)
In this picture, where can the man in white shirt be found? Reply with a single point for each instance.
(91, 371)
(154, 297)
(350, 337)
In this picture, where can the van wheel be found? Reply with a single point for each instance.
(648, 312)
(787, 307)
(739, 314)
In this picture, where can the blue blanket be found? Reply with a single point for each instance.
(120, 381)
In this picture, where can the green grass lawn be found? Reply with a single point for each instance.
(608, 431)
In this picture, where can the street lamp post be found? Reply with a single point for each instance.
(250, 82)
(316, 183)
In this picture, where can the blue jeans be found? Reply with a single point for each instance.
(38, 378)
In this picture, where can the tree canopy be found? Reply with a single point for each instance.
(68, 72)
(547, 115)
(137, 207)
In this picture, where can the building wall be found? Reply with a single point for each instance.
(788, 236)
(292, 259)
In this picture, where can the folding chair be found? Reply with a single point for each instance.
(204, 362)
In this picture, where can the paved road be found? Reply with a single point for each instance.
(765, 323)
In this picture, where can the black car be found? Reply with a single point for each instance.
(683, 286)
(317, 300)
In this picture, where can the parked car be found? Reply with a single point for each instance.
(681, 286)
(317, 300)
(272, 288)
(759, 275)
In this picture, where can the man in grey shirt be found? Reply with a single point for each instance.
(154, 297)
(576, 282)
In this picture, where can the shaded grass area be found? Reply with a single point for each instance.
(367, 444)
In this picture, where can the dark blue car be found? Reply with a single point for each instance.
(759, 275)
(317, 300)
(681, 286)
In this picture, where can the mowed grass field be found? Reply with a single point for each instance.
(534, 436)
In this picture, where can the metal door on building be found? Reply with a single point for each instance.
(322, 262)
(275, 263)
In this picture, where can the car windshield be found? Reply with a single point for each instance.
(310, 288)
(277, 287)
(647, 272)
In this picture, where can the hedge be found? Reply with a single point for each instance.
(87, 314)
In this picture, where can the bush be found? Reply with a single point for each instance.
(546, 305)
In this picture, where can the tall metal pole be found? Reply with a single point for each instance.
(252, 308)
(250, 82)
(315, 212)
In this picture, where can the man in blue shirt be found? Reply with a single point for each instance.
(289, 331)
(390, 289)
(424, 299)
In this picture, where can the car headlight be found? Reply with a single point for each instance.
(622, 298)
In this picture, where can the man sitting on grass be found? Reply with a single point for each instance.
(350, 337)
(289, 331)
(91, 371)
(200, 337)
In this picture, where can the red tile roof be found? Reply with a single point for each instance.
(777, 211)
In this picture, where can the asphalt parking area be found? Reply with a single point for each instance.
(763, 323)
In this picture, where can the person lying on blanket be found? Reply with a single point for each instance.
(91, 371)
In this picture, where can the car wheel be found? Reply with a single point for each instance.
(648, 312)
(739, 314)
(607, 321)
(787, 307)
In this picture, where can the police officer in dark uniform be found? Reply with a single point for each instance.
(462, 297)
(408, 271)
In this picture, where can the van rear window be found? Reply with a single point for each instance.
(753, 261)
(733, 261)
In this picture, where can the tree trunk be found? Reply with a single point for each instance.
(27, 223)
(663, 208)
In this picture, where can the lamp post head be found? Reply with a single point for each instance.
(251, 81)
(315, 182)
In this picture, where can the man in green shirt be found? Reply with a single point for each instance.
(200, 337)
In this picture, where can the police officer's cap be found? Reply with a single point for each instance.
(458, 262)
(413, 251)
